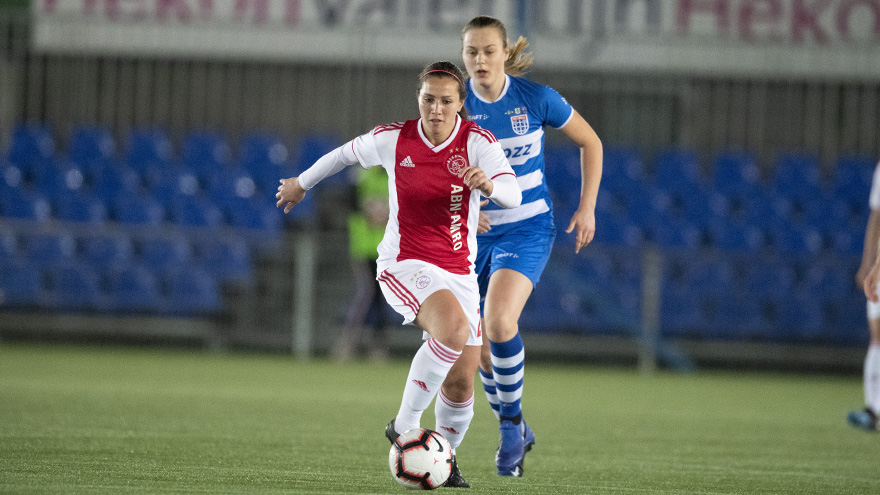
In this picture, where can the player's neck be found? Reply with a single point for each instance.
(492, 91)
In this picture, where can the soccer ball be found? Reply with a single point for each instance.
(420, 459)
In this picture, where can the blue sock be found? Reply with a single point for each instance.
(508, 359)
(488, 379)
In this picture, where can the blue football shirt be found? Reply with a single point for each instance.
(518, 119)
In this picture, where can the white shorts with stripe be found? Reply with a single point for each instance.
(406, 284)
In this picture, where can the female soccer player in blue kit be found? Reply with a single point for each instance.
(513, 252)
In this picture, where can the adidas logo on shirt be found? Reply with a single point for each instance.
(407, 162)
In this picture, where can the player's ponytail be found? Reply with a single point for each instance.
(451, 71)
(519, 60)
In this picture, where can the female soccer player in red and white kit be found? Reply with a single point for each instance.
(438, 168)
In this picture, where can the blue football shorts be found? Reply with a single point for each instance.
(524, 251)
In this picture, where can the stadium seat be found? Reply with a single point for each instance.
(90, 144)
(78, 207)
(138, 210)
(621, 168)
(8, 245)
(162, 255)
(205, 147)
(795, 239)
(266, 218)
(113, 180)
(61, 179)
(852, 176)
(11, 178)
(147, 147)
(310, 147)
(32, 146)
(195, 211)
(25, 205)
(765, 279)
(736, 236)
(611, 229)
(796, 175)
(702, 208)
(77, 288)
(735, 172)
(20, 285)
(676, 234)
(135, 289)
(679, 315)
(677, 169)
(104, 253)
(193, 292)
(265, 156)
(169, 184)
(50, 250)
(227, 259)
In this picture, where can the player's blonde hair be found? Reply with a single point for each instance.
(519, 60)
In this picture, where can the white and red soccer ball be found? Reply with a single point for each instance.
(420, 459)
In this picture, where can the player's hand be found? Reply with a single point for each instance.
(483, 224)
(475, 178)
(870, 283)
(289, 193)
(861, 274)
(584, 222)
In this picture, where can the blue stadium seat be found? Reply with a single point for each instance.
(90, 144)
(11, 178)
(161, 255)
(227, 259)
(679, 313)
(169, 184)
(205, 147)
(709, 274)
(78, 207)
(32, 146)
(113, 180)
(735, 172)
(107, 253)
(703, 208)
(195, 211)
(135, 289)
(677, 169)
(795, 239)
(736, 236)
(50, 250)
(621, 168)
(61, 179)
(796, 175)
(611, 229)
(137, 209)
(562, 172)
(765, 279)
(8, 245)
(852, 176)
(25, 205)
(265, 156)
(676, 234)
(148, 147)
(77, 288)
(20, 285)
(266, 218)
(193, 292)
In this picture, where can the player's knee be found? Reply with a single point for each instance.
(501, 328)
(458, 388)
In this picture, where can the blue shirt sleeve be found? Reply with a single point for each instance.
(557, 110)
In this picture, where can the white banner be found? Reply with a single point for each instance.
(804, 38)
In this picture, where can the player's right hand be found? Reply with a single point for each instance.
(289, 193)
(483, 225)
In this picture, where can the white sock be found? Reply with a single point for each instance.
(429, 368)
(872, 378)
(453, 418)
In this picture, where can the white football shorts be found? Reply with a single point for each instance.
(406, 284)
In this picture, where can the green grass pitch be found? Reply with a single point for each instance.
(108, 420)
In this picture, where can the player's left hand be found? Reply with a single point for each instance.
(483, 224)
(289, 193)
(584, 220)
(475, 178)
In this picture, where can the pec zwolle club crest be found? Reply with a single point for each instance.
(455, 163)
(520, 123)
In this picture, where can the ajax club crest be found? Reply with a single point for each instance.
(455, 163)
(520, 123)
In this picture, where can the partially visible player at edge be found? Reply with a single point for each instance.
(439, 167)
(514, 252)
(868, 277)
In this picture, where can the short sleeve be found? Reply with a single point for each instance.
(874, 200)
(558, 110)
